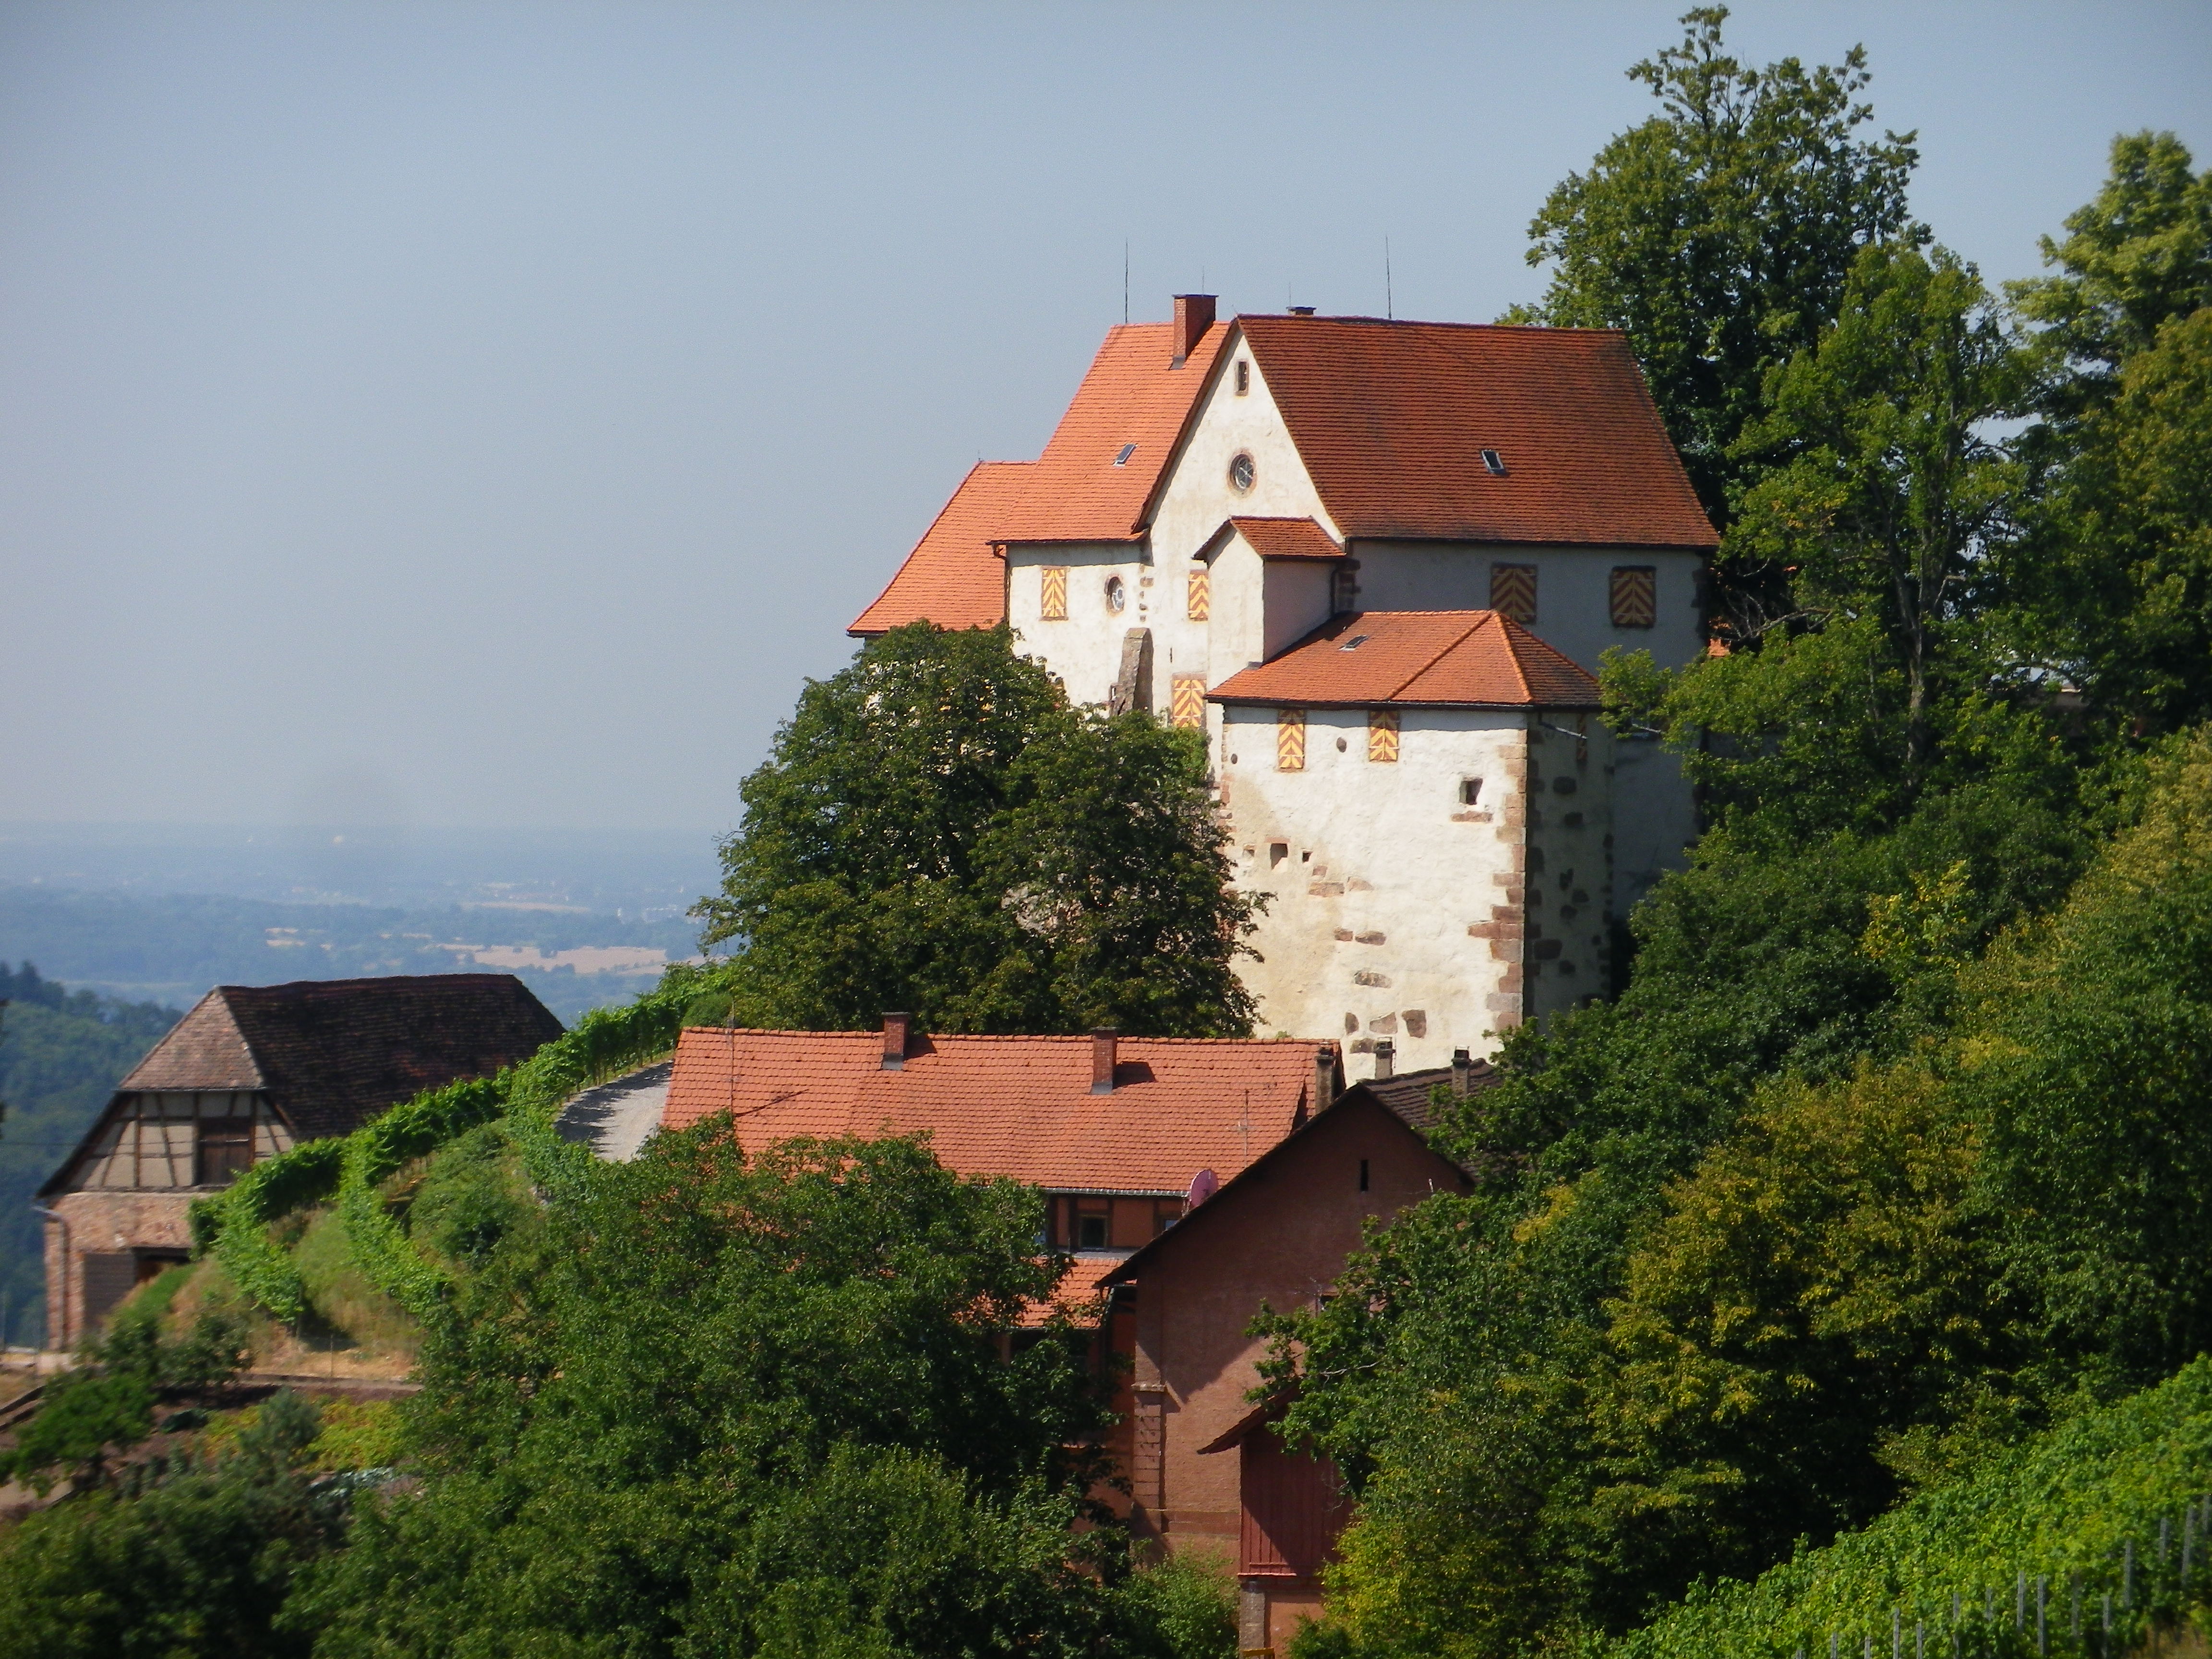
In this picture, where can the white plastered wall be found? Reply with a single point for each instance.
(1395, 908)
(1085, 649)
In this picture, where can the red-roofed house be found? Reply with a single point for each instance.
(1118, 1132)
(1217, 492)
(1114, 1129)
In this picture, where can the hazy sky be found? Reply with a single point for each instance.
(483, 415)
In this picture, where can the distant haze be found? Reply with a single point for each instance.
(440, 416)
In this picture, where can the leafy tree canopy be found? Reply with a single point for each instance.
(2136, 259)
(1721, 233)
(749, 1406)
(937, 830)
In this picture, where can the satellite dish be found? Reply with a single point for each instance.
(1203, 1186)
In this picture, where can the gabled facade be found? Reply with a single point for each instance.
(1217, 492)
(251, 1071)
(1207, 1471)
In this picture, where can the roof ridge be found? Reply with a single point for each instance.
(1445, 650)
(872, 1032)
(1243, 317)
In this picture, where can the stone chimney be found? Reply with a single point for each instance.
(1193, 316)
(895, 1042)
(1462, 1073)
(1104, 1042)
(1324, 1089)
(1386, 1055)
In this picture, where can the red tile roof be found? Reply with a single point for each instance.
(1131, 396)
(1286, 538)
(1448, 659)
(954, 577)
(1015, 1106)
(1392, 418)
(1078, 1291)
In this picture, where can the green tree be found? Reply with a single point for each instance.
(748, 1406)
(199, 1562)
(2112, 589)
(2137, 258)
(1720, 233)
(936, 830)
(1881, 489)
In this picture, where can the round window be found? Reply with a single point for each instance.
(1241, 472)
(1116, 595)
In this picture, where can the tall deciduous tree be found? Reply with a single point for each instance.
(2137, 256)
(1720, 234)
(1882, 487)
(937, 830)
(2111, 587)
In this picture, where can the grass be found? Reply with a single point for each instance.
(2061, 1511)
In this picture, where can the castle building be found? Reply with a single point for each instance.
(1378, 564)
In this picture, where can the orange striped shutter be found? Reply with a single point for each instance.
(1198, 596)
(1382, 734)
(1290, 739)
(1187, 699)
(1513, 592)
(1052, 602)
(1635, 596)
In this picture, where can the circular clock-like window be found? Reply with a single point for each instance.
(1241, 472)
(1116, 595)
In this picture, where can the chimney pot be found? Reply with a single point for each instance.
(1193, 316)
(1462, 1073)
(1104, 1042)
(895, 1027)
(1386, 1053)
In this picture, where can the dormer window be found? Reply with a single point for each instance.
(1243, 377)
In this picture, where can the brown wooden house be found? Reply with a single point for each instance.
(1208, 1471)
(251, 1071)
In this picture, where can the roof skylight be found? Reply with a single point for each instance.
(1127, 450)
(1353, 643)
(1495, 462)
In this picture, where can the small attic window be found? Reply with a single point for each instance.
(1127, 450)
(1243, 377)
(1353, 643)
(1495, 462)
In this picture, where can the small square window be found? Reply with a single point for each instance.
(1470, 792)
(225, 1151)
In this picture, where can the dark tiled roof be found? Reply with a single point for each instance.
(1440, 659)
(1408, 1093)
(1391, 419)
(332, 1053)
